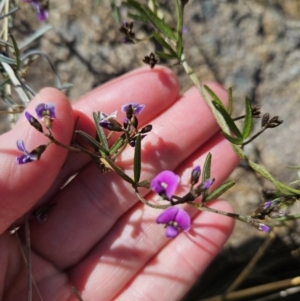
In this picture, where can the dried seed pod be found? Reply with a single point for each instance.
(265, 119)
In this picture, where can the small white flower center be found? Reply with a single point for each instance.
(164, 185)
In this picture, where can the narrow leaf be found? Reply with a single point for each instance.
(137, 159)
(213, 95)
(179, 46)
(100, 133)
(109, 163)
(117, 145)
(228, 119)
(153, 18)
(166, 56)
(137, 18)
(92, 142)
(234, 140)
(219, 191)
(206, 172)
(163, 43)
(206, 168)
(179, 18)
(248, 119)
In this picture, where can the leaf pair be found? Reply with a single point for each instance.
(239, 137)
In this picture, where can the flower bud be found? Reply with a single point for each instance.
(34, 122)
(196, 172)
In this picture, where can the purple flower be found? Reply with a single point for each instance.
(137, 109)
(45, 109)
(174, 218)
(109, 122)
(184, 29)
(259, 226)
(267, 205)
(40, 8)
(105, 119)
(27, 157)
(165, 183)
(263, 227)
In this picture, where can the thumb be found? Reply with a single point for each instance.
(21, 186)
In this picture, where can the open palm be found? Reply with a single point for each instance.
(98, 237)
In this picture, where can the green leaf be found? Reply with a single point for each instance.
(118, 144)
(248, 119)
(17, 51)
(234, 140)
(213, 95)
(92, 142)
(179, 45)
(206, 172)
(137, 159)
(230, 101)
(228, 119)
(179, 18)
(219, 191)
(166, 56)
(100, 133)
(160, 24)
(137, 18)
(206, 168)
(164, 44)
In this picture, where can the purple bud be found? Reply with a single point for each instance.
(263, 227)
(196, 172)
(34, 122)
(207, 183)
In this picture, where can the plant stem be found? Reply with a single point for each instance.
(237, 149)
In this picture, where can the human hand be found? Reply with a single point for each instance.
(97, 237)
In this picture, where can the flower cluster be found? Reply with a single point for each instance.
(46, 112)
(130, 123)
(165, 184)
(40, 6)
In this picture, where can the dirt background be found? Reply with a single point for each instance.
(252, 46)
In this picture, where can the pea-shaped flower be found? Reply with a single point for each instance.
(45, 109)
(27, 156)
(174, 218)
(165, 183)
(134, 107)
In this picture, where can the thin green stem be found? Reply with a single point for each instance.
(254, 137)
(149, 204)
